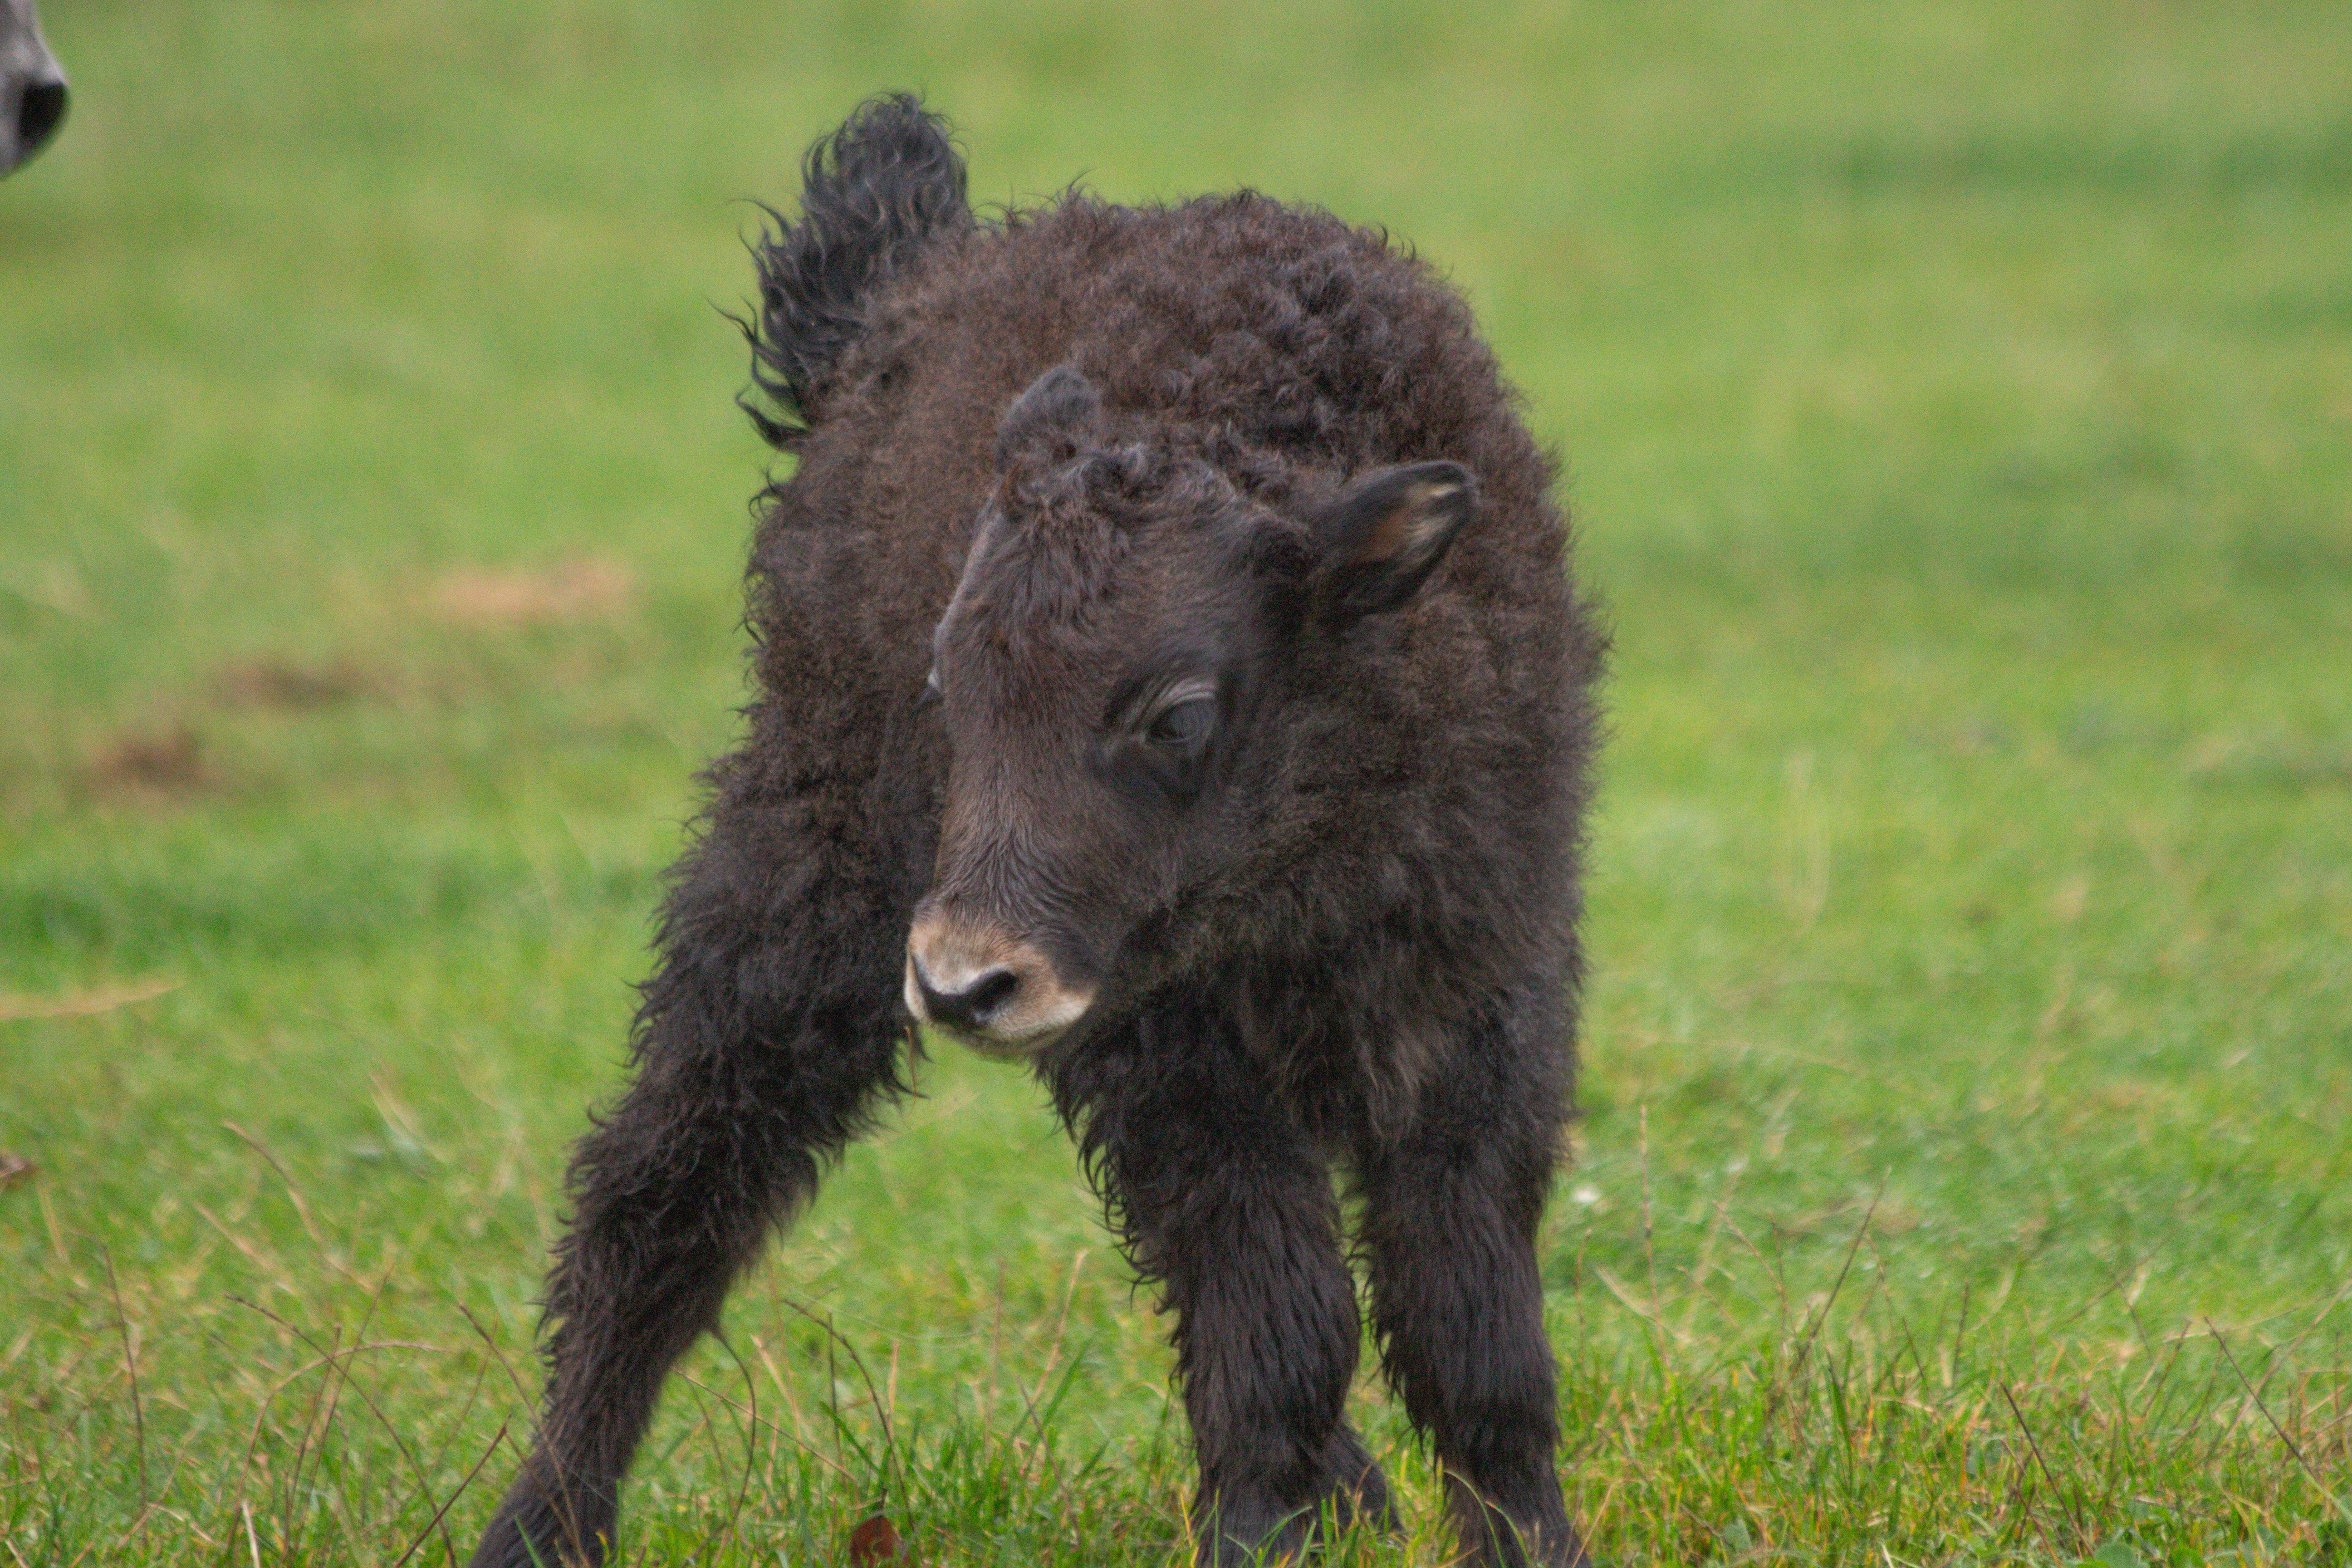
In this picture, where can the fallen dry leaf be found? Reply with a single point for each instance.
(876, 1541)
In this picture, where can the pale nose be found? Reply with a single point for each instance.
(968, 1005)
(997, 991)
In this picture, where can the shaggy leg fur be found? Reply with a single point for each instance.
(1457, 1304)
(766, 1033)
(1221, 1198)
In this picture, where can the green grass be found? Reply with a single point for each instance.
(1957, 403)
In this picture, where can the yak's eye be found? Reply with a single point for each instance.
(1184, 725)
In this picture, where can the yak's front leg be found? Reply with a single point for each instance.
(766, 1031)
(1223, 1201)
(1449, 1229)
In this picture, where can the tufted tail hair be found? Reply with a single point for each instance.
(875, 193)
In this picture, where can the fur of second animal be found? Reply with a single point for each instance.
(1169, 675)
(32, 85)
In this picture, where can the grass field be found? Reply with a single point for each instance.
(1956, 401)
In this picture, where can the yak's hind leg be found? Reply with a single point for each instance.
(768, 1026)
(1449, 1229)
(1221, 1198)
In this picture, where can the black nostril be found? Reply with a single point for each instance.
(969, 1008)
(38, 114)
(994, 987)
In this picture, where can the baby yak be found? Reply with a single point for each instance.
(1169, 675)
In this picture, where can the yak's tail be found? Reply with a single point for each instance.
(877, 192)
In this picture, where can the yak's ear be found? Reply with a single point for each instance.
(1054, 418)
(1378, 538)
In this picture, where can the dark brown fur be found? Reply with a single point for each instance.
(1341, 929)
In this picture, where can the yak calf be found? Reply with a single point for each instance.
(1168, 675)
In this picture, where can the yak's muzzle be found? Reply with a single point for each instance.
(996, 993)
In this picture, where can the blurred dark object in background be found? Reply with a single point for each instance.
(32, 85)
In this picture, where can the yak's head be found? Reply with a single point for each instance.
(32, 87)
(1117, 675)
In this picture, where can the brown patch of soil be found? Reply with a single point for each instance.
(282, 686)
(169, 763)
(83, 1004)
(581, 590)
